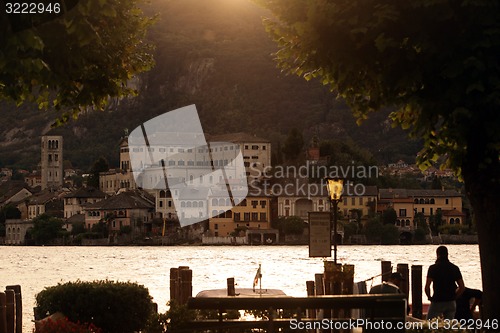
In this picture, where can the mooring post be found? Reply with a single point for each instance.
(405, 284)
(310, 313)
(10, 310)
(186, 284)
(3, 313)
(386, 270)
(416, 291)
(18, 306)
(231, 290)
(174, 279)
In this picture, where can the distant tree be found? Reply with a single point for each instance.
(436, 183)
(389, 216)
(291, 225)
(389, 234)
(293, 144)
(277, 156)
(9, 211)
(420, 222)
(101, 228)
(435, 221)
(45, 229)
(350, 228)
(77, 55)
(77, 228)
(435, 63)
(373, 230)
(100, 165)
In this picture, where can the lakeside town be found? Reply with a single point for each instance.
(62, 206)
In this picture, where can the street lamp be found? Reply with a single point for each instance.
(335, 187)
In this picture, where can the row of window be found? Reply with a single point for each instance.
(53, 144)
(188, 150)
(56, 157)
(247, 217)
(255, 147)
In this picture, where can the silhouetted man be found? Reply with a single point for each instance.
(447, 284)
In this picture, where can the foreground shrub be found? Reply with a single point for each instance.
(114, 307)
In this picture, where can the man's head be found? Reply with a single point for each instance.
(442, 252)
(396, 278)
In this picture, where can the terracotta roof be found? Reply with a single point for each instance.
(86, 192)
(388, 193)
(240, 137)
(43, 197)
(125, 200)
(453, 212)
(77, 218)
(11, 187)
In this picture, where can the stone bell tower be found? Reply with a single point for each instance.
(52, 161)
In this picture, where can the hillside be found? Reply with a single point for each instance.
(217, 55)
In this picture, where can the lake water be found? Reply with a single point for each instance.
(283, 267)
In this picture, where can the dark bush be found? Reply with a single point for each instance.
(115, 307)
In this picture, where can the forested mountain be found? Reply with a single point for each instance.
(217, 55)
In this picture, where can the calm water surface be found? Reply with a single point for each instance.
(283, 267)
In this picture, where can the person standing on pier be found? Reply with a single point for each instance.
(447, 284)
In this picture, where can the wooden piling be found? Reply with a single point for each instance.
(3, 313)
(174, 279)
(310, 313)
(386, 270)
(318, 284)
(18, 307)
(231, 290)
(405, 284)
(186, 284)
(416, 291)
(10, 310)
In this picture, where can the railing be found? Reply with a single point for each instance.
(377, 308)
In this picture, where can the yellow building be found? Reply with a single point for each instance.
(358, 198)
(253, 213)
(407, 203)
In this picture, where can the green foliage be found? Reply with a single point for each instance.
(453, 229)
(100, 165)
(292, 225)
(125, 230)
(293, 144)
(389, 216)
(389, 234)
(373, 230)
(435, 61)
(100, 229)
(435, 221)
(350, 229)
(74, 59)
(45, 229)
(419, 235)
(115, 307)
(8, 211)
(239, 231)
(77, 228)
(178, 316)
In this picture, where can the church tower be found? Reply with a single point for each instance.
(52, 161)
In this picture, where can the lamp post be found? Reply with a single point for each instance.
(335, 187)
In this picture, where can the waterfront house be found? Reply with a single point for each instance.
(15, 231)
(408, 202)
(75, 201)
(134, 208)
